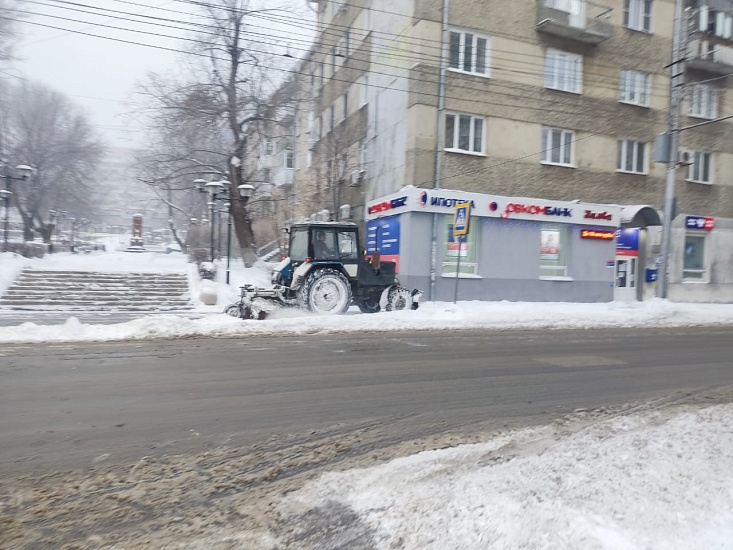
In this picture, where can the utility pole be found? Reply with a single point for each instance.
(440, 142)
(679, 53)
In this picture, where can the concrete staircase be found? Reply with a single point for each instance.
(41, 290)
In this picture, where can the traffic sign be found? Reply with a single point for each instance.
(462, 218)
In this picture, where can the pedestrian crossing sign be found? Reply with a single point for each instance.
(461, 218)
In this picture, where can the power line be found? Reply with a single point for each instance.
(538, 61)
(160, 35)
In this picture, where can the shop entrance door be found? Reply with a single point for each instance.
(626, 279)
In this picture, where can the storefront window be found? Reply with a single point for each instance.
(465, 245)
(694, 259)
(553, 251)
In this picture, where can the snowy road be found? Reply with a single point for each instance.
(64, 405)
(173, 441)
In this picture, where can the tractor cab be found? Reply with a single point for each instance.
(324, 243)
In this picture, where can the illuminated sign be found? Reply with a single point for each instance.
(533, 209)
(590, 215)
(700, 222)
(598, 235)
(388, 205)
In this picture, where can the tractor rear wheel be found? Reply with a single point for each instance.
(326, 292)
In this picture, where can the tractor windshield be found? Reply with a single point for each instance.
(299, 244)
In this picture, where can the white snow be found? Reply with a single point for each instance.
(430, 316)
(648, 481)
(652, 480)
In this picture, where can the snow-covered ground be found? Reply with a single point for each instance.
(430, 316)
(656, 479)
(653, 480)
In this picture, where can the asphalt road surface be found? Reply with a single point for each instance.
(76, 406)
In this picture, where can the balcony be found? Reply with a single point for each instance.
(710, 47)
(578, 20)
(704, 55)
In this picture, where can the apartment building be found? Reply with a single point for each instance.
(560, 99)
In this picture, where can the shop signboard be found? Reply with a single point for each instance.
(627, 242)
(700, 222)
(383, 234)
(445, 201)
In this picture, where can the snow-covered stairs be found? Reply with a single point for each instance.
(85, 290)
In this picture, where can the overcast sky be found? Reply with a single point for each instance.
(100, 74)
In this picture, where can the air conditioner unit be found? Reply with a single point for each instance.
(685, 158)
(344, 212)
(357, 176)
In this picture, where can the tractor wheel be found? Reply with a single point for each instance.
(369, 305)
(232, 310)
(235, 310)
(398, 299)
(325, 291)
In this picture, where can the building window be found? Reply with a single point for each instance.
(638, 15)
(468, 52)
(563, 71)
(347, 43)
(288, 158)
(701, 169)
(558, 146)
(464, 133)
(268, 147)
(346, 105)
(694, 266)
(332, 117)
(635, 88)
(703, 101)
(632, 156)
(553, 252)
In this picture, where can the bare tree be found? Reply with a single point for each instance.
(226, 95)
(7, 28)
(46, 131)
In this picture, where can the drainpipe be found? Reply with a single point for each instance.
(439, 145)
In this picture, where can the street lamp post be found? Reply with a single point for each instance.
(52, 217)
(24, 172)
(214, 188)
(245, 192)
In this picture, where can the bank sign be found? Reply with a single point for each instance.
(444, 201)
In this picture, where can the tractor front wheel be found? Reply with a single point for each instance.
(398, 299)
(325, 291)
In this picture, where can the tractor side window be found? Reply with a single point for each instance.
(348, 249)
(299, 245)
(324, 245)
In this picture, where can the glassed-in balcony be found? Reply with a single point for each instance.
(579, 20)
(710, 47)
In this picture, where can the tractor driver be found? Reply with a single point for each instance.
(321, 251)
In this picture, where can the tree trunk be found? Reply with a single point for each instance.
(242, 221)
(45, 232)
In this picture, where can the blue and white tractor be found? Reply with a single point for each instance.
(325, 272)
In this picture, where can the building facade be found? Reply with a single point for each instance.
(559, 99)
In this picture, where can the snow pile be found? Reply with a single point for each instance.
(643, 481)
(430, 316)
